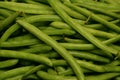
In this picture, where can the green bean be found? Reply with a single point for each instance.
(36, 3)
(105, 17)
(1, 18)
(30, 19)
(93, 31)
(29, 37)
(60, 69)
(9, 31)
(111, 2)
(36, 68)
(100, 5)
(101, 10)
(114, 63)
(70, 46)
(42, 74)
(90, 66)
(70, 72)
(58, 24)
(18, 77)
(14, 72)
(13, 0)
(8, 21)
(72, 13)
(95, 17)
(61, 50)
(51, 71)
(117, 78)
(38, 48)
(27, 8)
(100, 26)
(37, 18)
(1, 71)
(81, 30)
(8, 63)
(81, 55)
(4, 12)
(54, 31)
(26, 56)
(105, 76)
(69, 40)
(31, 77)
(20, 43)
(83, 64)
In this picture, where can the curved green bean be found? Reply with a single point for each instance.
(4, 13)
(8, 21)
(26, 56)
(8, 63)
(34, 69)
(14, 72)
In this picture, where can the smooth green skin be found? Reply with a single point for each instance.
(117, 78)
(83, 64)
(95, 17)
(80, 54)
(58, 24)
(114, 63)
(42, 74)
(89, 66)
(70, 46)
(4, 13)
(95, 32)
(37, 49)
(8, 63)
(70, 72)
(30, 19)
(60, 69)
(101, 10)
(104, 76)
(14, 72)
(55, 45)
(52, 71)
(26, 56)
(34, 69)
(8, 21)
(82, 31)
(99, 5)
(26, 8)
(69, 40)
(19, 77)
(30, 37)
(36, 3)
(73, 13)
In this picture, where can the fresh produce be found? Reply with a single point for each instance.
(59, 40)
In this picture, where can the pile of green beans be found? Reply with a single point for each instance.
(59, 40)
